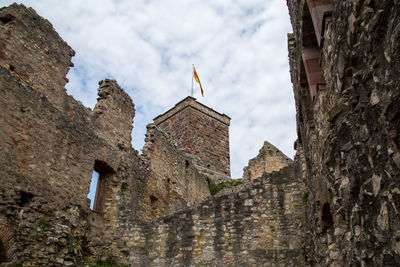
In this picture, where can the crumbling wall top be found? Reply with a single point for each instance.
(46, 59)
(268, 160)
(114, 114)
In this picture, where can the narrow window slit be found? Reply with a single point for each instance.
(154, 205)
(93, 188)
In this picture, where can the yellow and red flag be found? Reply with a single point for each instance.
(196, 77)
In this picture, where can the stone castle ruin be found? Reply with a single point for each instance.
(336, 204)
(202, 133)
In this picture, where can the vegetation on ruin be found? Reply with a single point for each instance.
(45, 225)
(216, 187)
(108, 262)
(305, 197)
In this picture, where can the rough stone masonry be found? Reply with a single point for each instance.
(337, 204)
(344, 64)
(152, 209)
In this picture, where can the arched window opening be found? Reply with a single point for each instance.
(98, 186)
(154, 205)
(153, 201)
(326, 218)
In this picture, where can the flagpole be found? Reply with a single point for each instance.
(192, 80)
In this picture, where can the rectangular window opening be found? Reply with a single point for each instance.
(102, 173)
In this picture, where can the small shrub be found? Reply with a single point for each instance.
(303, 251)
(305, 197)
(45, 225)
(108, 262)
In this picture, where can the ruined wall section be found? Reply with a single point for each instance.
(48, 158)
(202, 133)
(114, 114)
(177, 184)
(269, 159)
(353, 165)
(33, 51)
(51, 144)
(45, 173)
(260, 225)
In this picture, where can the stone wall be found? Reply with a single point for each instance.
(46, 69)
(180, 180)
(260, 226)
(50, 146)
(348, 121)
(344, 60)
(269, 159)
(50, 222)
(43, 192)
(202, 133)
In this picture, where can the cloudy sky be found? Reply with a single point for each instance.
(239, 49)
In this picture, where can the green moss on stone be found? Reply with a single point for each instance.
(216, 187)
(45, 225)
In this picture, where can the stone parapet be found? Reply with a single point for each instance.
(191, 102)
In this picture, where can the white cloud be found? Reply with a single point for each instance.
(238, 46)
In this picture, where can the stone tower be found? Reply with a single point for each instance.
(202, 133)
